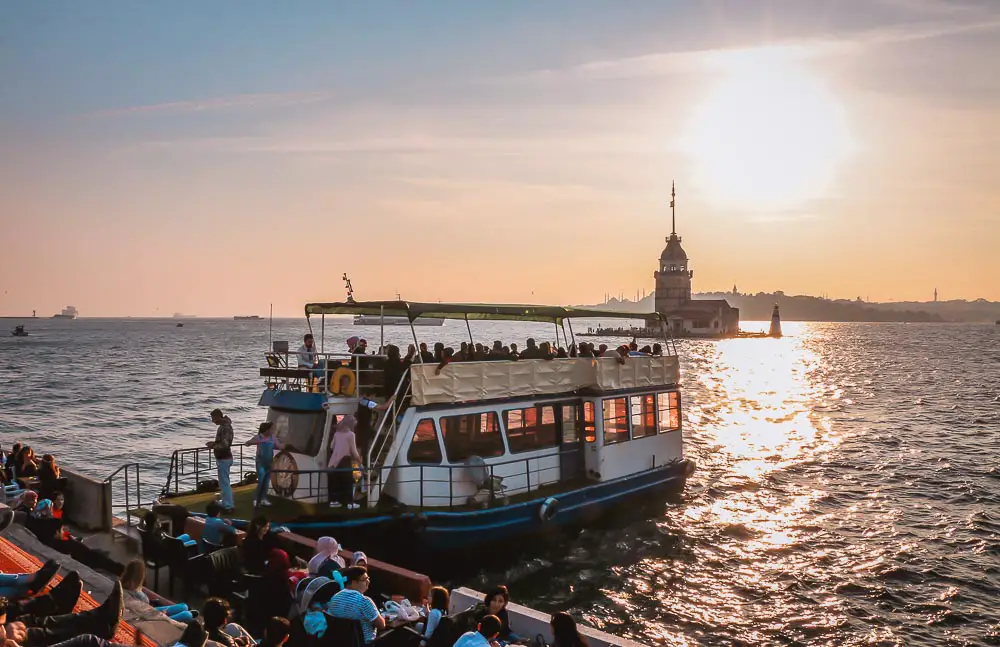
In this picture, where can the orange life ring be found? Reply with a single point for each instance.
(337, 379)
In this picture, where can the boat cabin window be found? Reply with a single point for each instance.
(643, 415)
(669, 415)
(476, 434)
(530, 429)
(615, 420)
(570, 431)
(299, 432)
(424, 448)
(589, 428)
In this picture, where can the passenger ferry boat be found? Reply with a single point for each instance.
(474, 453)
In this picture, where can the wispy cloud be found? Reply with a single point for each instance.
(932, 7)
(414, 142)
(694, 61)
(238, 101)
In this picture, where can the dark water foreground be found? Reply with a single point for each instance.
(846, 494)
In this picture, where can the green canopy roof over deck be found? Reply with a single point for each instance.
(470, 311)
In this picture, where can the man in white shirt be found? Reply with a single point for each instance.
(308, 356)
(307, 353)
(486, 636)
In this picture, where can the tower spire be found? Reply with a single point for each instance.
(673, 212)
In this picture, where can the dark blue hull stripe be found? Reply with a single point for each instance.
(518, 517)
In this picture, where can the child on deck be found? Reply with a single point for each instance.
(266, 443)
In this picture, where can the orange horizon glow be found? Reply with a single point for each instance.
(835, 160)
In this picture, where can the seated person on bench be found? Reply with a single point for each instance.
(307, 357)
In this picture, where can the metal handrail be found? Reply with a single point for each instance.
(331, 362)
(386, 432)
(315, 491)
(128, 500)
(191, 463)
(389, 418)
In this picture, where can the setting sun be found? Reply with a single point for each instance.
(769, 134)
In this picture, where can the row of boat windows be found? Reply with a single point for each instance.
(543, 427)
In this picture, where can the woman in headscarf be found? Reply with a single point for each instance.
(327, 550)
(344, 455)
(272, 595)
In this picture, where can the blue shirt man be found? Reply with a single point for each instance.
(485, 635)
(215, 529)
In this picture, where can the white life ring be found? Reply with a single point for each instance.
(549, 509)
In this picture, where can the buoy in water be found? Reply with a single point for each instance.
(775, 323)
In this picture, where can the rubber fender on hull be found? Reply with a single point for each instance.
(549, 509)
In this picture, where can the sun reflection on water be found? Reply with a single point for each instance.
(757, 410)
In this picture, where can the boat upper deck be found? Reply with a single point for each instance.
(349, 375)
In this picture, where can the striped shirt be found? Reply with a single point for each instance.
(355, 605)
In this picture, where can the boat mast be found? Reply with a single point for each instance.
(350, 290)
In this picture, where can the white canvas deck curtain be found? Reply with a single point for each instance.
(473, 381)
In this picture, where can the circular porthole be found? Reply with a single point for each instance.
(284, 479)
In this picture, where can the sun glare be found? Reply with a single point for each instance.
(769, 135)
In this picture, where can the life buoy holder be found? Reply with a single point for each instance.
(338, 377)
(549, 509)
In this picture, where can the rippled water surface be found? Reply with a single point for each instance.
(847, 490)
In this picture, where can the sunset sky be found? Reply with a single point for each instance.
(213, 157)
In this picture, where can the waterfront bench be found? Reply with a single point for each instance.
(414, 586)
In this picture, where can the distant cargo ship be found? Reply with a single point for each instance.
(247, 318)
(69, 312)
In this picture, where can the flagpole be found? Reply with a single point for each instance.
(673, 212)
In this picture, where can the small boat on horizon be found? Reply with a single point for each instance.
(247, 318)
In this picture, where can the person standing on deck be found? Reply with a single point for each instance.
(266, 443)
(222, 448)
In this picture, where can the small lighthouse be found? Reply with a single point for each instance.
(775, 330)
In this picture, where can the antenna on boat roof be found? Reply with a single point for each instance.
(350, 290)
(270, 327)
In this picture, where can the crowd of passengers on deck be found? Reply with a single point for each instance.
(396, 364)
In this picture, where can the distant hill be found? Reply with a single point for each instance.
(807, 308)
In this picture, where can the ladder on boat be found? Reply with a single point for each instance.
(383, 449)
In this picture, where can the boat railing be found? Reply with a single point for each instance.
(284, 373)
(191, 467)
(385, 435)
(128, 499)
(495, 485)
